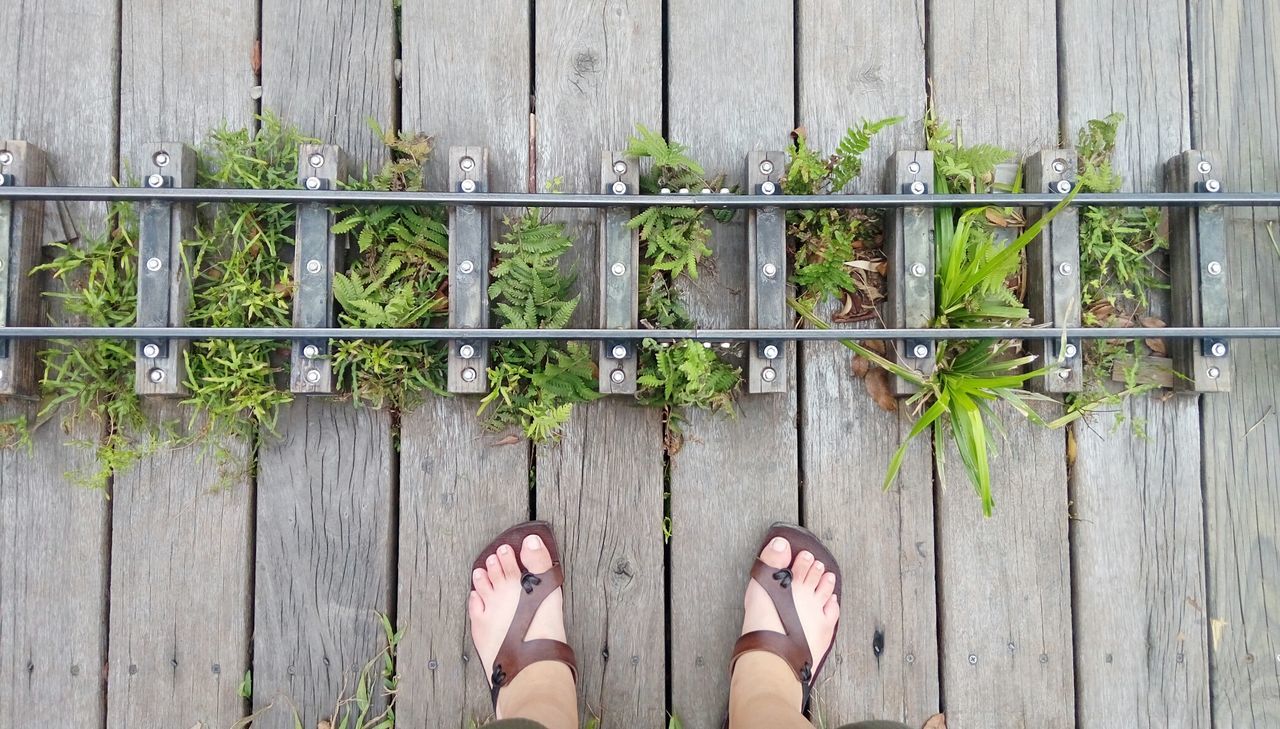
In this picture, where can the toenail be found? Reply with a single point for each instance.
(818, 566)
(491, 561)
(477, 573)
(806, 556)
(831, 577)
(533, 543)
(779, 544)
(504, 549)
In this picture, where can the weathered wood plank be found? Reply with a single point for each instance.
(53, 537)
(323, 558)
(1008, 664)
(886, 660)
(1137, 534)
(466, 82)
(601, 486)
(181, 524)
(734, 475)
(1234, 109)
(327, 485)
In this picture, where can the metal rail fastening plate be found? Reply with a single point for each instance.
(469, 270)
(1053, 272)
(911, 252)
(317, 255)
(1198, 275)
(767, 274)
(21, 227)
(163, 281)
(619, 274)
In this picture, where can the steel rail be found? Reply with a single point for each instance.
(574, 200)
(698, 335)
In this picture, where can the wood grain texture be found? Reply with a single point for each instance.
(734, 476)
(1234, 110)
(323, 559)
(182, 518)
(327, 485)
(466, 82)
(54, 551)
(601, 486)
(1138, 533)
(1004, 584)
(885, 663)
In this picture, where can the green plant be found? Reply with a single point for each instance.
(959, 167)
(1119, 251)
(673, 243)
(534, 384)
(835, 251)
(396, 280)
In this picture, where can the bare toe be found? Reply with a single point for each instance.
(507, 558)
(480, 581)
(534, 555)
(827, 587)
(815, 574)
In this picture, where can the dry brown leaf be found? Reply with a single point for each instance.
(879, 387)
(1153, 322)
(937, 721)
(511, 439)
(1072, 448)
(255, 58)
(864, 265)
(1157, 346)
(861, 366)
(875, 345)
(996, 217)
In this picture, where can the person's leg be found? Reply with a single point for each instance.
(764, 692)
(514, 724)
(543, 692)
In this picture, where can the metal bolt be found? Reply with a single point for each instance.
(620, 167)
(466, 351)
(619, 351)
(6, 157)
(1214, 373)
(917, 269)
(466, 164)
(973, 660)
(468, 185)
(1204, 167)
(769, 270)
(161, 158)
(618, 269)
(311, 351)
(619, 188)
(725, 191)
(313, 266)
(156, 375)
(921, 351)
(1044, 657)
(316, 159)
(665, 191)
(1066, 269)
(313, 376)
(725, 345)
(313, 183)
(1064, 374)
(469, 375)
(706, 191)
(1070, 350)
(1213, 185)
(466, 267)
(1214, 268)
(917, 188)
(768, 374)
(1, 180)
(155, 181)
(766, 167)
(911, 657)
(150, 351)
(1059, 166)
(684, 191)
(618, 376)
(154, 264)
(913, 168)
(1, 374)
(1219, 349)
(768, 188)
(1062, 187)
(706, 345)
(770, 351)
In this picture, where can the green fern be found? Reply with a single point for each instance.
(847, 160)
(535, 384)
(963, 168)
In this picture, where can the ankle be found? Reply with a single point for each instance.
(543, 692)
(763, 676)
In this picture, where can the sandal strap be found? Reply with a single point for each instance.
(516, 653)
(793, 647)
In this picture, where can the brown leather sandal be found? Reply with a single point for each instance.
(517, 653)
(792, 647)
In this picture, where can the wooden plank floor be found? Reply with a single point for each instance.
(1132, 584)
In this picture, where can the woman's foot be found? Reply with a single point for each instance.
(492, 606)
(812, 589)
